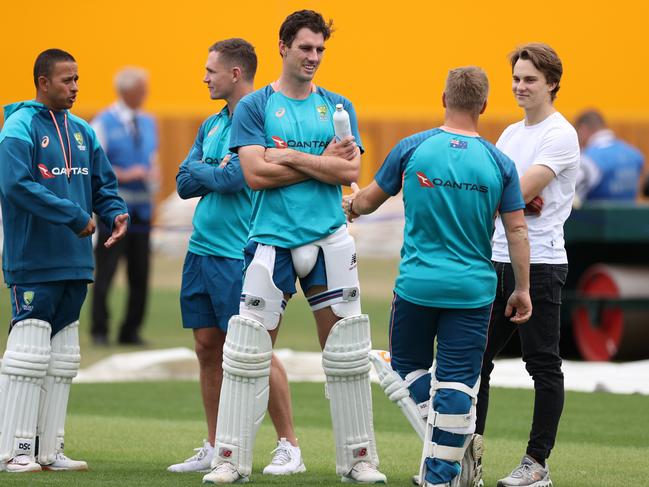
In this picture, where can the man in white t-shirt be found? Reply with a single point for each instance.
(545, 148)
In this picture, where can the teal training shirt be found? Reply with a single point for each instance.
(452, 187)
(222, 217)
(293, 215)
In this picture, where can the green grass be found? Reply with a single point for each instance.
(129, 433)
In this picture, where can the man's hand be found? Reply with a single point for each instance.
(89, 230)
(345, 149)
(348, 203)
(519, 300)
(225, 160)
(119, 230)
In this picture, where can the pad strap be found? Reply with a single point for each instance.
(334, 296)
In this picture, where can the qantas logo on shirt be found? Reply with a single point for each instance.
(279, 143)
(426, 182)
(58, 171)
(45, 171)
(298, 144)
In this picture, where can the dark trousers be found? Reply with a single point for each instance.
(540, 348)
(134, 247)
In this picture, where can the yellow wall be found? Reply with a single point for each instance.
(391, 61)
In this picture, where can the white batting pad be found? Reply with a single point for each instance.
(347, 365)
(63, 367)
(397, 391)
(244, 394)
(24, 365)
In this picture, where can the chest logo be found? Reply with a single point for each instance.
(280, 113)
(45, 172)
(213, 131)
(279, 143)
(79, 138)
(45, 141)
(424, 181)
(322, 112)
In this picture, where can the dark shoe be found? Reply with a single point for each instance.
(100, 340)
(132, 340)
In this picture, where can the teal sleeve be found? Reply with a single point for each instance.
(187, 185)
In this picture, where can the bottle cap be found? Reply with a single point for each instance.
(339, 106)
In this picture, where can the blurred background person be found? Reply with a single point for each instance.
(610, 168)
(129, 138)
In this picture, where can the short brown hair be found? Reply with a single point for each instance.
(312, 20)
(466, 89)
(592, 119)
(544, 58)
(237, 52)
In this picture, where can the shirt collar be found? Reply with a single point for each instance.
(124, 113)
(601, 138)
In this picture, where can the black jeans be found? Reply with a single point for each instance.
(134, 247)
(540, 347)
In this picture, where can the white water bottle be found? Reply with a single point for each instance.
(342, 127)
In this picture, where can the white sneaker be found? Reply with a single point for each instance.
(529, 473)
(22, 463)
(364, 473)
(62, 463)
(224, 473)
(287, 460)
(200, 462)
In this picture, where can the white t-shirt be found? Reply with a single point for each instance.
(552, 143)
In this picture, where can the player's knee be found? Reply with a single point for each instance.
(209, 352)
(453, 408)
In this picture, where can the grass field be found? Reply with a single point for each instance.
(129, 433)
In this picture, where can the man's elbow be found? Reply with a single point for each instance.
(254, 182)
(517, 232)
(350, 176)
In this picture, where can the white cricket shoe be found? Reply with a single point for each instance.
(20, 464)
(200, 462)
(364, 473)
(62, 463)
(287, 460)
(224, 473)
(471, 474)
